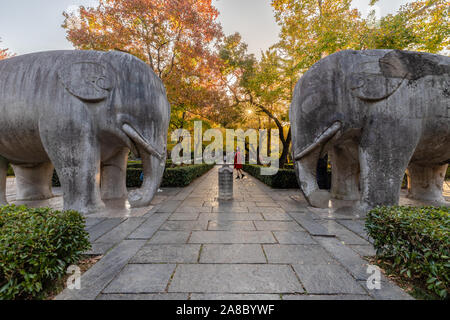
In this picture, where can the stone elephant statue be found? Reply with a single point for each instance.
(376, 113)
(81, 112)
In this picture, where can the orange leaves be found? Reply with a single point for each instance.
(175, 37)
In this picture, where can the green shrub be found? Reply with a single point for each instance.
(179, 176)
(10, 172)
(55, 180)
(416, 241)
(183, 175)
(36, 247)
(283, 179)
(134, 177)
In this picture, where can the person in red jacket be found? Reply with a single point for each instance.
(238, 164)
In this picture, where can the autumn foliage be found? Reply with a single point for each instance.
(175, 37)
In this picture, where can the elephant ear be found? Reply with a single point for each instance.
(372, 86)
(88, 81)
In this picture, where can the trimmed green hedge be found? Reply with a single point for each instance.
(415, 241)
(173, 177)
(283, 179)
(36, 247)
(10, 172)
(179, 176)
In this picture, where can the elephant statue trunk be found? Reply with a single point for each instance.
(306, 165)
(153, 169)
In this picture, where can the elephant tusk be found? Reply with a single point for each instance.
(141, 141)
(326, 135)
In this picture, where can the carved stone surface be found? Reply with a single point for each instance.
(376, 113)
(225, 182)
(80, 112)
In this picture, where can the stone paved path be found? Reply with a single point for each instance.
(265, 244)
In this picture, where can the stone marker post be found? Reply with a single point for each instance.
(225, 182)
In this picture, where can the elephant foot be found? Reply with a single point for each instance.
(319, 199)
(358, 210)
(35, 197)
(88, 209)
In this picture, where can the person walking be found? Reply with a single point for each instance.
(238, 164)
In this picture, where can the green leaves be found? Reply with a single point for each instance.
(415, 240)
(173, 177)
(36, 247)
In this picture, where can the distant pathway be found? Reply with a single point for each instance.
(265, 244)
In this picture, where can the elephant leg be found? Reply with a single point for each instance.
(345, 173)
(426, 182)
(113, 176)
(385, 150)
(77, 162)
(34, 182)
(3, 173)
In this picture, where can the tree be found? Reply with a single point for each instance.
(312, 29)
(421, 25)
(261, 85)
(175, 37)
(4, 53)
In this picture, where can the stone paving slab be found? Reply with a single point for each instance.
(236, 209)
(232, 253)
(184, 216)
(278, 226)
(387, 291)
(232, 237)
(231, 216)
(167, 253)
(326, 297)
(143, 296)
(169, 206)
(94, 280)
(277, 216)
(101, 228)
(312, 226)
(343, 233)
(357, 226)
(184, 225)
(234, 278)
(297, 254)
(169, 237)
(327, 279)
(197, 209)
(149, 227)
(141, 278)
(99, 248)
(363, 250)
(231, 225)
(293, 237)
(265, 210)
(234, 296)
(90, 222)
(122, 230)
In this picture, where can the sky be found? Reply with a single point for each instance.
(29, 25)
